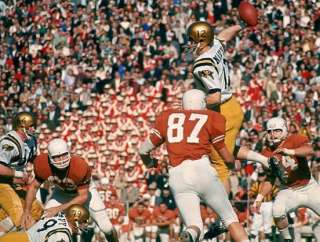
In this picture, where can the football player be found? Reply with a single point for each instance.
(57, 228)
(262, 219)
(189, 134)
(17, 148)
(211, 75)
(289, 163)
(71, 177)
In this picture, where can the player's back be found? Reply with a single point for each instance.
(188, 134)
(51, 230)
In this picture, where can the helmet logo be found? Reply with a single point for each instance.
(201, 34)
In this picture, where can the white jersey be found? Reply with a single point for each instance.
(51, 230)
(211, 71)
(16, 153)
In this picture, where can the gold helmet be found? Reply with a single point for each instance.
(77, 216)
(25, 122)
(200, 34)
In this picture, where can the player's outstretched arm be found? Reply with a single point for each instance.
(81, 198)
(144, 152)
(229, 33)
(302, 151)
(226, 155)
(26, 219)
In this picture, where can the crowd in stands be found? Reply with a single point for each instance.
(98, 72)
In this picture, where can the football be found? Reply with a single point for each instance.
(248, 13)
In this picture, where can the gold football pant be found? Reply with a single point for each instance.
(233, 114)
(15, 237)
(12, 205)
(10, 202)
(36, 210)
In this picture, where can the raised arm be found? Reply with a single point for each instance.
(229, 33)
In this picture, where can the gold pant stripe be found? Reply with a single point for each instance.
(233, 114)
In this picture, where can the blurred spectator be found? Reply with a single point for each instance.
(163, 217)
(140, 216)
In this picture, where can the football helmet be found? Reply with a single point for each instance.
(194, 99)
(276, 124)
(78, 216)
(25, 122)
(59, 154)
(200, 35)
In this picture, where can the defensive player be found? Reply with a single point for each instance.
(189, 135)
(211, 75)
(71, 176)
(300, 189)
(17, 148)
(57, 228)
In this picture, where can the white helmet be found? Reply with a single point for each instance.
(194, 99)
(58, 147)
(276, 124)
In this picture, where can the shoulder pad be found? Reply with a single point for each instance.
(8, 144)
(204, 62)
(7, 147)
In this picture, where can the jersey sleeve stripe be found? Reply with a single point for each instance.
(157, 133)
(216, 141)
(220, 137)
(4, 164)
(214, 90)
(204, 62)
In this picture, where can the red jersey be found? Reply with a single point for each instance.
(140, 218)
(163, 216)
(77, 175)
(115, 212)
(188, 134)
(296, 167)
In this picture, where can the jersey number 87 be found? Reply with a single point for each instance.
(175, 131)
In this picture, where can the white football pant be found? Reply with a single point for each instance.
(291, 198)
(193, 180)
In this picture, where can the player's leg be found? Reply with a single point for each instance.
(233, 114)
(189, 209)
(286, 200)
(11, 204)
(99, 214)
(232, 111)
(222, 206)
(313, 201)
(183, 182)
(6, 223)
(15, 237)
